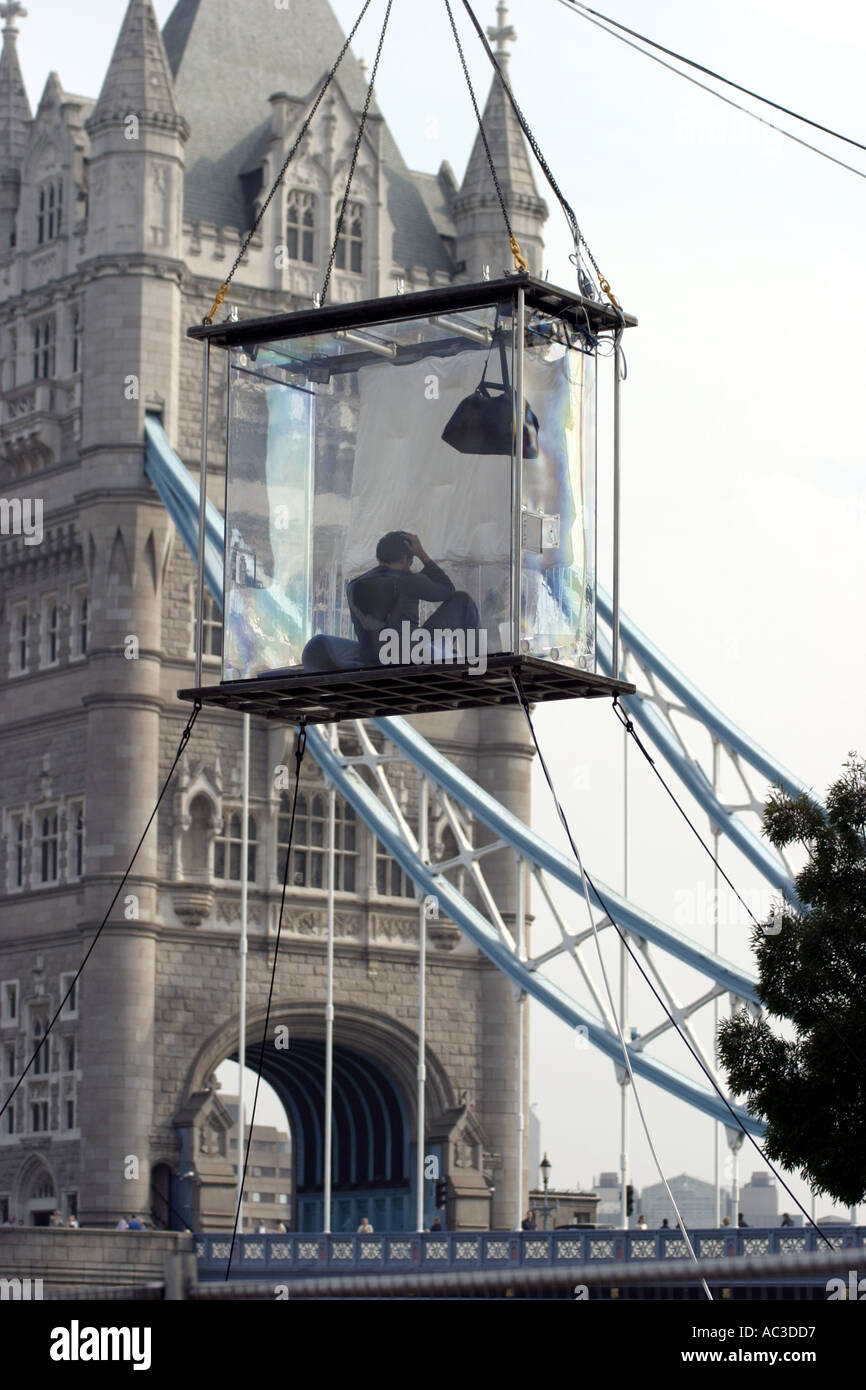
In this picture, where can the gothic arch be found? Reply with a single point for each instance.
(44, 158)
(387, 1043)
(197, 812)
(374, 1109)
(35, 1187)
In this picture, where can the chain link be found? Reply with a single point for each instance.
(579, 238)
(224, 288)
(493, 173)
(361, 128)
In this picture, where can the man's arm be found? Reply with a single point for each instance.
(432, 582)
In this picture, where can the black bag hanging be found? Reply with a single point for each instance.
(483, 423)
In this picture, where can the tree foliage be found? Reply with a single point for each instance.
(811, 953)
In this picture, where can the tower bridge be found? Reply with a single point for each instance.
(109, 245)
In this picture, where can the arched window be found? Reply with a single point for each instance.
(47, 839)
(301, 226)
(81, 623)
(42, 1060)
(228, 846)
(49, 213)
(75, 851)
(391, 881)
(20, 638)
(212, 628)
(43, 349)
(196, 839)
(76, 342)
(18, 873)
(310, 844)
(350, 247)
(51, 634)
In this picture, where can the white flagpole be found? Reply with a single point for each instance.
(521, 1036)
(242, 986)
(329, 1004)
(422, 1009)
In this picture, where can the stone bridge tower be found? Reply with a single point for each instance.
(118, 219)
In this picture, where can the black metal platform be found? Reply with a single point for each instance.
(540, 294)
(326, 698)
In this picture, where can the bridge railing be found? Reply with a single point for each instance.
(260, 1256)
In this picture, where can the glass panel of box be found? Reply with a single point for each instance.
(377, 512)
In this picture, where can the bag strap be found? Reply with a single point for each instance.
(498, 340)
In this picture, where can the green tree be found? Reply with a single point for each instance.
(811, 953)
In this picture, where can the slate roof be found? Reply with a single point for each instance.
(437, 201)
(228, 57)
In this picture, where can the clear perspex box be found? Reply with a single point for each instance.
(411, 482)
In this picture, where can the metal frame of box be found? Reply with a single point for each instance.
(326, 697)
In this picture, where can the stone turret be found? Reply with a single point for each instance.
(15, 121)
(132, 319)
(477, 214)
(499, 739)
(137, 134)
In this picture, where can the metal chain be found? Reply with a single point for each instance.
(579, 238)
(224, 289)
(519, 260)
(355, 153)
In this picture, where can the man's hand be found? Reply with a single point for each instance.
(416, 548)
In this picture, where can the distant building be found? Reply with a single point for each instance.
(563, 1208)
(608, 1190)
(695, 1198)
(759, 1201)
(268, 1191)
(534, 1142)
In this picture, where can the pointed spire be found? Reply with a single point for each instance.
(482, 239)
(139, 80)
(507, 145)
(15, 114)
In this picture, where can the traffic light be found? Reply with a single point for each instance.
(441, 1193)
(629, 1199)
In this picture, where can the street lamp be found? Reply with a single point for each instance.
(545, 1166)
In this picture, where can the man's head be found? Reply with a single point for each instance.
(394, 550)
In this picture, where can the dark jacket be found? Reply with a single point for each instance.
(384, 598)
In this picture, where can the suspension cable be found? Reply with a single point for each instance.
(515, 681)
(519, 259)
(708, 72)
(184, 740)
(300, 750)
(629, 727)
(224, 288)
(361, 128)
(579, 238)
(587, 880)
(789, 134)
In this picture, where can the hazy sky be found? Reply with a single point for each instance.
(742, 256)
